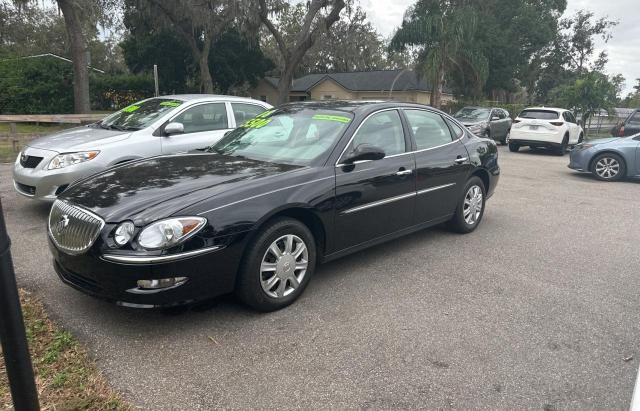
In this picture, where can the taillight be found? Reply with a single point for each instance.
(621, 132)
(557, 123)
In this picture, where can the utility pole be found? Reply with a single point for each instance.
(155, 79)
(12, 334)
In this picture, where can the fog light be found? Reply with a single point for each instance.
(161, 283)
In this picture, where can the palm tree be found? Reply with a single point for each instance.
(443, 33)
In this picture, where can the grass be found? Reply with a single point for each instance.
(7, 153)
(66, 377)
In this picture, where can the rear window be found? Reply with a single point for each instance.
(540, 114)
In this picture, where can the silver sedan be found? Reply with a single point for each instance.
(608, 159)
(156, 126)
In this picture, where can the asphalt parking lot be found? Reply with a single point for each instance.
(538, 309)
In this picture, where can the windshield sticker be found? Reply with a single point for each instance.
(256, 123)
(339, 119)
(170, 103)
(130, 109)
(265, 113)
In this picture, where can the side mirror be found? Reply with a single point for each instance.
(174, 128)
(365, 152)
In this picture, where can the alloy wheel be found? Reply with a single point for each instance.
(507, 138)
(607, 167)
(284, 266)
(472, 207)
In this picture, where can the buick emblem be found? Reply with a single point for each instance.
(62, 224)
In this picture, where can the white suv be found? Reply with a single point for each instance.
(544, 127)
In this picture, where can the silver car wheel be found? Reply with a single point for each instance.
(284, 266)
(507, 138)
(472, 207)
(607, 167)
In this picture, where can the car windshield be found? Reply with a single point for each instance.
(139, 115)
(473, 114)
(540, 114)
(296, 136)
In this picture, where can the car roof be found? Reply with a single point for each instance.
(208, 97)
(354, 106)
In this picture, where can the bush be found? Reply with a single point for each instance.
(113, 92)
(36, 86)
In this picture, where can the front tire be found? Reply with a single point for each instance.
(470, 208)
(278, 265)
(608, 167)
(513, 147)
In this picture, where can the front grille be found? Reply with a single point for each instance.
(25, 189)
(73, 229)
(30, 161)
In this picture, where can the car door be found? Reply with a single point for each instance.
(495, 125)
(375, 198)
(442, 163)
(245, 111)
(572, 125)
(203, 123)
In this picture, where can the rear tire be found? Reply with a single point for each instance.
(608, 167)
(513, 147)
(470, 208)
(267, 282)
(507, 138)
(563, 146)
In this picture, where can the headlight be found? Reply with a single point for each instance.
(167, 233)
(123, 233)
(584, 146)
(69, 159)
(476, 128)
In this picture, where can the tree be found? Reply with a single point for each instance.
(81, 18)
(444, 31)
(580, 32)
(198, 22)
(315, 22)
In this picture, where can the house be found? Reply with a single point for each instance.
(400, 85)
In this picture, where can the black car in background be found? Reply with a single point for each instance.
(486, 122)
(629, 127)
(255, 212)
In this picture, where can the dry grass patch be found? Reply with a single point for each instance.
(66, 377)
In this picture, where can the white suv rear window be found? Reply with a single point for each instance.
(540, 114)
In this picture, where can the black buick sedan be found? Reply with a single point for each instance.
(254, 213)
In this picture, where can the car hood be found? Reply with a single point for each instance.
(604, 140)
(78, 139)
(158, 187)
(473, 123)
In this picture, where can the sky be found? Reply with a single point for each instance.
(623, 48)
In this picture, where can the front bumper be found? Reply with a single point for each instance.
(209, 274)
(39, 183)
(580, 160)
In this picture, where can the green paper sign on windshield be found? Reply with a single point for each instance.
(256, 123)
(131, 108)
(327, 117)
(170, 103)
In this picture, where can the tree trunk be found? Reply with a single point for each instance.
(284, 85)
(79, 55)
(206, 81)
(436, 93)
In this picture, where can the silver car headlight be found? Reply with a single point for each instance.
(167, 233)
(69, 159)
(476, 128)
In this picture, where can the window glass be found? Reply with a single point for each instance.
(472, 114)
(140, 115)
(457, 130)
(501, 114)
(429, 129)
(635, 118)
(540, 114)
(286, 136)
(204, 117)
(382, 130)
(243, 112)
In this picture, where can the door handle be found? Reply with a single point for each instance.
(461, 160)
(404, 172)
